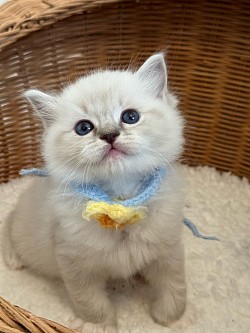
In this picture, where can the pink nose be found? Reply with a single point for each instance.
(110, 137)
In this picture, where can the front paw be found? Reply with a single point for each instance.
(98, 328)
(11, 259)
(79, 326)
(166, 310)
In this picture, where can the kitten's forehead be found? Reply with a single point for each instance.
(103, 92)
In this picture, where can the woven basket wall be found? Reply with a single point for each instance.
(47, 43)
(44, 44)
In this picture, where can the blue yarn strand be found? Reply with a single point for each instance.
(92, 192)
(34, 172)
(195, 231)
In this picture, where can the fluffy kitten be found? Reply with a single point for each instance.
(110, 128)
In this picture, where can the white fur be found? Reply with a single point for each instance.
(46, 230)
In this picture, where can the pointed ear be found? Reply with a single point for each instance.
(153, 74)
(43, 104)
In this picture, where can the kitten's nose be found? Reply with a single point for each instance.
(110, 137)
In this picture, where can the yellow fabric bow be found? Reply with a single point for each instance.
(113, 215)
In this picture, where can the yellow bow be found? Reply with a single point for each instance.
(113, 215)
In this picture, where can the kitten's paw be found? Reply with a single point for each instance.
(165, 311)
(12, 260)
(77, 325)
(98, 328)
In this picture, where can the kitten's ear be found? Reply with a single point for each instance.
(43, 104)
(153, 74)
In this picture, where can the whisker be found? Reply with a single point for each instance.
(156, 153)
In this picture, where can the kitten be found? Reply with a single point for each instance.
(110, 128)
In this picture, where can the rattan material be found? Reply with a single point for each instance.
(208, 47)
(14, 319)
(46, 43)
(20, 17)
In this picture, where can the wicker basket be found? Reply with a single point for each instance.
(47, 43)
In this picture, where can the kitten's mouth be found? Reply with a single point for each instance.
(114, 152)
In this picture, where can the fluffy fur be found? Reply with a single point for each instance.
(46, 231)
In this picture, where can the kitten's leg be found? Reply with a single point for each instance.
(88, 294)
(167, 278)
(11, 258)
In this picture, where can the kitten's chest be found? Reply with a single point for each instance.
(122, 188)
(120, 253)
(126, 257)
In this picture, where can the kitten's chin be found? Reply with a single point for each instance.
(119, 165)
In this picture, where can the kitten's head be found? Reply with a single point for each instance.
(111, 123)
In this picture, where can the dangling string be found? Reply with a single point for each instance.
(34, 172)
(195, 231)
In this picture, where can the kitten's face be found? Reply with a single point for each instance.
(111, 123)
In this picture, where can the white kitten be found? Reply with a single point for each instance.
(110, 128)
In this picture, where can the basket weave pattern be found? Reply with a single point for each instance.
(14, 319)
(46, 43)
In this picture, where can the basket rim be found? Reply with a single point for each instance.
(18, 18)
(13, 318)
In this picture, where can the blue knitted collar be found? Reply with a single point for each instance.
(148, 188)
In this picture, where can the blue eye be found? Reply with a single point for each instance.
(130, 116)
(83, 127)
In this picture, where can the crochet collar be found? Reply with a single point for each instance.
(148, 188)
(105, 210)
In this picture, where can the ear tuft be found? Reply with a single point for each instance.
(43, 104)
(153, 74)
